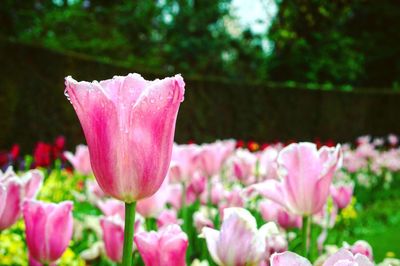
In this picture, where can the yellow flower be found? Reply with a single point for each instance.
(69, 258)
(390, 254)
(349, 212)
(12, 248)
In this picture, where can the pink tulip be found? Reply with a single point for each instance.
(10, 196)
(232, 198)
(113, 237)
(276, 243)
(362, 247)
(342, 195)
(31, 181)
(167, 247)
(306, 178)
(218, 193)
(167, 217)
(33, 262)
(13, 190)
(238, 243)
(271, 211)
(344, 257)
(268, 166)
(48, 229)
(153, 205)
(288, 259)
(243, 164)
(80, 160)
(201, 219)
(341, 258)
(393, 139)
(129, 126)
(353, 163)
(211, 157)
(183, 163)
(94, 191)
(111, 207)
(197, 184)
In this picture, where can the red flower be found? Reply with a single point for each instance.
(42, 154)
(14, 151)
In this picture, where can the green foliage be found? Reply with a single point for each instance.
(341, 42)
(310, 45)
(186, 36)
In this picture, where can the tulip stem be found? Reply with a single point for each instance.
(209, 198)
(129, 230)
(184, 208)
(306, 235)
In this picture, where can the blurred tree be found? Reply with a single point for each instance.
(310, 45)
(340, 42)
(375, 27)
(187, 36)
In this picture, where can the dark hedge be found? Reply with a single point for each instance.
(33, 106)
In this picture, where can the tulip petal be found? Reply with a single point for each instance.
(211, 235)
(11, 208)
(113, 237)
(3, 197)
(362, 260)
(271, 189)
(35, 223)
(342, 255)
(59, 220)
(33, 181)
(288, 258)
(147, 245)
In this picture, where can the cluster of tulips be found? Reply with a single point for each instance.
(164, 204)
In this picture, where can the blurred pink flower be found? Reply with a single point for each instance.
(212, 156)
(167, 217)
(306, 178)
(243, 165)
(393, 139)
(268, 165)
(239, 242)
(362, 247)
(201, 219)
(113, 237)
(111, 207)
(341, 258)
(342, 195)
(48, 229)
(129, 125)
(80, 160)
(175, 195)
(13, 190)
(197, 183)
(153, 205)
(288, 259)
(167, 247)
(344, 257)
(183, 163)
(274, 212)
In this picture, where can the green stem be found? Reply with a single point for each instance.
(209, 198)
(209, 188)
(130, 209)
(257, 172)
(184, 208)
(150, 224)
(306, 235)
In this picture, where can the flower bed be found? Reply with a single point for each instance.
(222, 203)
